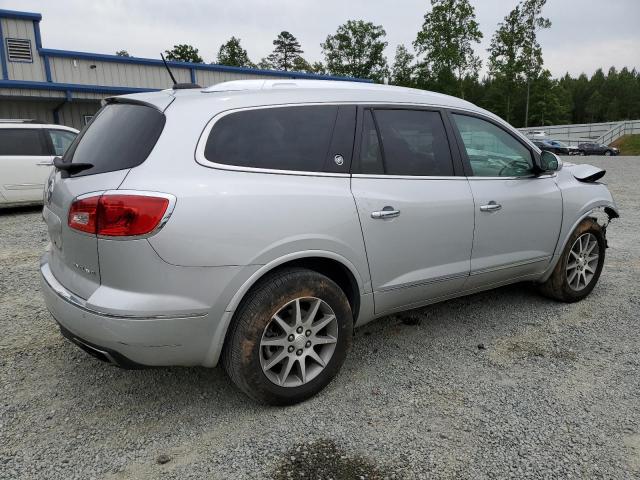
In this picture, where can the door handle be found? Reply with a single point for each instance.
(490, 207)
(45, 163)
(386, 212)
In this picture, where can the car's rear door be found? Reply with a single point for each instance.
(416, 213)
(23, 150)
(518, 215)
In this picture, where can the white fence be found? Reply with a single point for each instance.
(587, 132)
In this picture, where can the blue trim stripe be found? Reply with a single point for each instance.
(20, 15)
(197, 66)
(72, 87)
(3, 58)
(45, 58)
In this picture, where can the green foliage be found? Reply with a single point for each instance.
(628, 145)
(122, 53)
(183, 53)
(444, 45)
(515, 53)
(286, 53)
(403, 70)
(232, 54)
(357, 50)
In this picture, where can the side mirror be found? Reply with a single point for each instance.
(549, 162)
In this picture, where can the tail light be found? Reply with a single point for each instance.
(118, 214)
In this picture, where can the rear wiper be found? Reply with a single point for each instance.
(70, 168)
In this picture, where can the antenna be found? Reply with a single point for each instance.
(168, 69)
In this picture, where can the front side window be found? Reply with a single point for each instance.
(61, 139)
(492, 151)
(22, 142)
(414, 143)
(279, 138)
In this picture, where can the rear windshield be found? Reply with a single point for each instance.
(120, 136)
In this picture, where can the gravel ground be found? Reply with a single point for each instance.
(500, 384)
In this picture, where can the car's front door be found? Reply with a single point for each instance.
(24, 153)
(416, 214)
(518, 215)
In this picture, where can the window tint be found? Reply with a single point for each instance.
(414, 142)
(492, 152)
(61, 139)
(281, 138)
(120, 136)
(370, 154)
(22, 141)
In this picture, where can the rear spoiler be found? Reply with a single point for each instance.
(587, 173)
(153, 100)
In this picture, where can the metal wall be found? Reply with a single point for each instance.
(91, 72)
(25, 29)
(25, 109)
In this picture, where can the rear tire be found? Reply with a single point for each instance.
(577, 271)
(282, 317)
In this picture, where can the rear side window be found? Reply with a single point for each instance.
(60, 140)
(22, 141)
(284, 138)
(414, 143)
(120, 136)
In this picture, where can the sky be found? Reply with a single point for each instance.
(585, 34)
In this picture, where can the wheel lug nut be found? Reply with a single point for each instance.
(299, 329)
(299, 352)
(308, 344)
(290, 349)
(290, 337)
(308, 333)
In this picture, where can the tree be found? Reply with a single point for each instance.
(533, 21)
(403, 70)
(183, 53)
(594, 107)
(232, 54)
(550, 102)
(505, 61)
(357, 50)
(445, 45)
(287, 50)
(122, 53)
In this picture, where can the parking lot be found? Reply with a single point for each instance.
(500, 384)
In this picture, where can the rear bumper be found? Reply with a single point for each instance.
(126, 341)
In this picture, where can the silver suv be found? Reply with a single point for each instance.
(257, 223)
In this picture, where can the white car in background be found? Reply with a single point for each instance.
(27, 150)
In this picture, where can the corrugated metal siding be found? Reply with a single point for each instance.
(15, 28)
(114, 74)
(27, 109)
(72, 114)
(28, 92)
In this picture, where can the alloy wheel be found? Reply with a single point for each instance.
(583, 261)
(298, 342)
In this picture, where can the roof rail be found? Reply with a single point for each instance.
(21, 120)
(185, 86)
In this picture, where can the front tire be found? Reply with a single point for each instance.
(289, 337)
(579, 268)
(607, 153)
